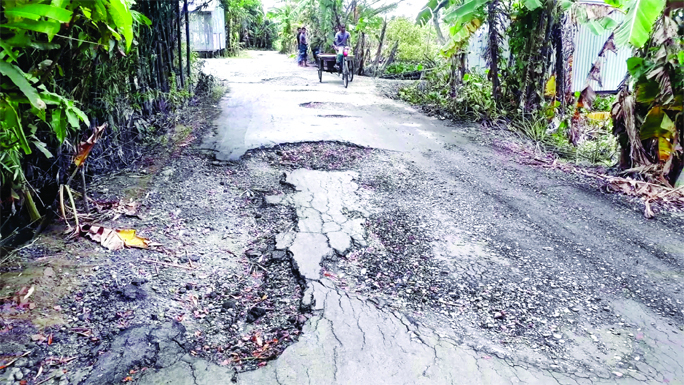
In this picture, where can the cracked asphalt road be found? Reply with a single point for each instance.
(501, 273)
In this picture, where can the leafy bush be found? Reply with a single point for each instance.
(415, 42)
(401, 67)
(603, 103)
(472, 99)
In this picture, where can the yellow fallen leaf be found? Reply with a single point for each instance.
(598, 116)
(114, 239)
(132, 240)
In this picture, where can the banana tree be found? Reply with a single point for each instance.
(647, 116)
(286, 17)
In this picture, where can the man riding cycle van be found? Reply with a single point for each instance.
(342, 38)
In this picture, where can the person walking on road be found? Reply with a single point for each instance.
(303, 48)
(299, 32)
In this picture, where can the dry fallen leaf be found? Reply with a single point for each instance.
(85, 147)
(38, 338)
(114, 239)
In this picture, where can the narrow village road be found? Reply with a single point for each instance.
(443, 259)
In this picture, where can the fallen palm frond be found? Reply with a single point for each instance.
(648, 192)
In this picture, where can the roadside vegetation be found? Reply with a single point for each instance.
(525, 85)
(247, 26)
(84, 86)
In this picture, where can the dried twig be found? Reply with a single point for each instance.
(61, 205)
(15, 358)
(73, 206)
(168, 264)
(85, 196)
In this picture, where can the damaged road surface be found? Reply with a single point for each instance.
(351, 340)
(440, 256)
(323, 235)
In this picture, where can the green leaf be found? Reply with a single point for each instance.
(657, 125)
(36, 11)
(680, 58)
(600, 26)
(565, 4)
(41, 147)
(123, 20)
(58, 126)
(48, 27)
(615, 3)
(647, 91)
(608, 23)
(595, 27)
(81, 115)
(464, 13)
(72, 117)
(17, 77)
(532, 4)
(20, 40)
(60, 3)
(12, 123)
(426, 14)
(9, 50)
(638, 23)
(51, 98)
(139, 18)
(635, 66)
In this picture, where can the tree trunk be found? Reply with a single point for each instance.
(560, 64)
(187, 43)
(438, 29)
(568, 30)
(366, 55)
(453, 79)
(390, 58)
(358, 53)
(494, 50)
(377, 55)
(180, 50)
(228, 35)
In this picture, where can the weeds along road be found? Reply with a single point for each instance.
(440, 258)
(323, 235)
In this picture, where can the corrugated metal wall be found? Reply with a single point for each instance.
(219, 28)
(587, 47)
(476, 50)
(200, 31)
(208, 28)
